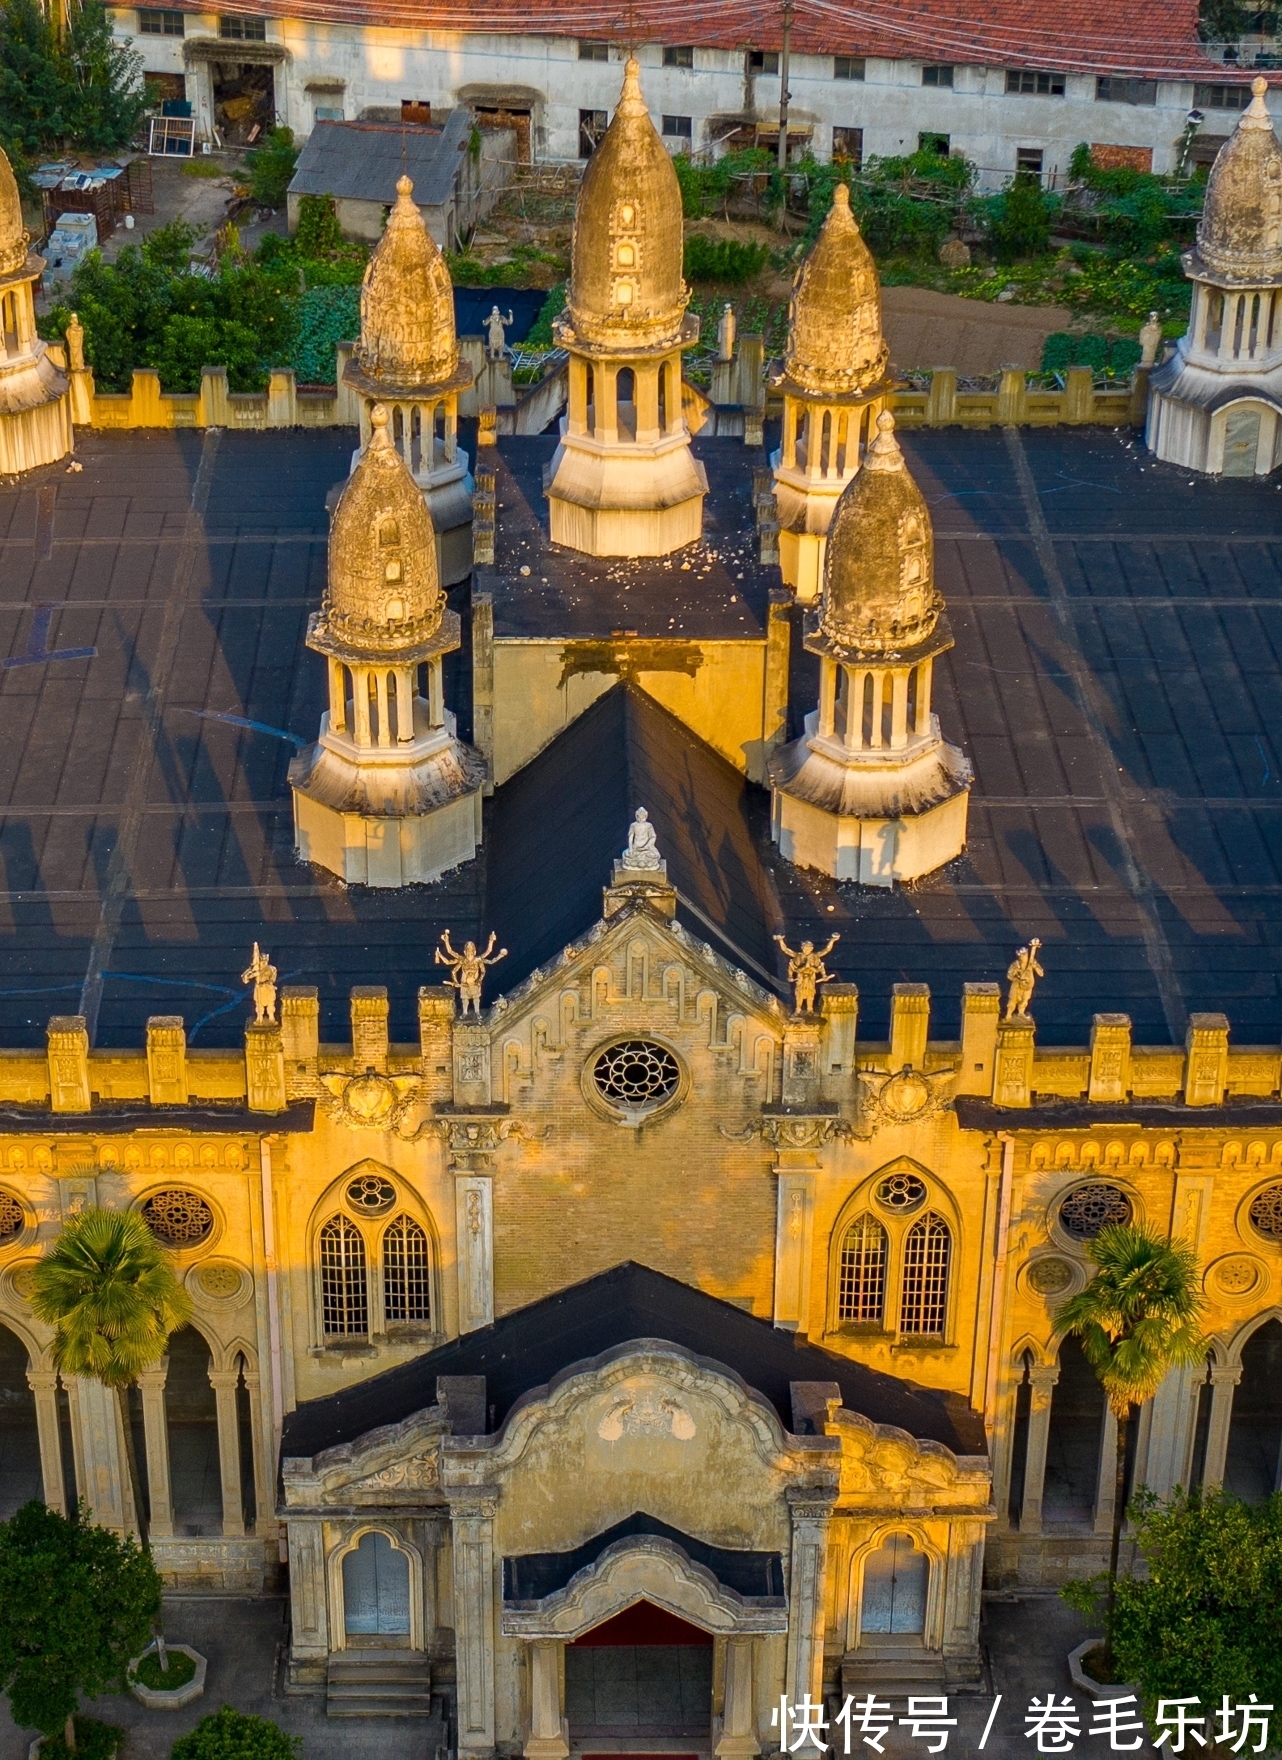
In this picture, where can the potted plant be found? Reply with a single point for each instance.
(167, 1676)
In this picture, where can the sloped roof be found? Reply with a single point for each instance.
(361, 161)
(525, 1349)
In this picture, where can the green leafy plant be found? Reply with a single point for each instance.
(327, 316)
(723, 259)
(235, 1735)
(77, 1603)
(540, 333)
(76, 88)
(319, 234)
(1020, 219)
(1117, 356)
(177, 1670)
(1137, 1318)
(271, 166)
(94, 1741)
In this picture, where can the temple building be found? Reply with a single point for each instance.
(388, 795)
(623, 481)
(407, 360)
(1215, 404)
(834, 388)
(872, 791)
(35, 401)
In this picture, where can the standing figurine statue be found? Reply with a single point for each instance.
(806, 971)
(496, 326)
(725, 333)
(1023, 973)
(643, 846)
(261, 973)
(468, 969)
(1151, 340)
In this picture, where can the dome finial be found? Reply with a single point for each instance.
(1256, 114)
(378, 423)
(404, 188)
(841, 196)
(884, 453)
(630, 99)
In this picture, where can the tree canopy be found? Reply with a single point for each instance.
(80, 88)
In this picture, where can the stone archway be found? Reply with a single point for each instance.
(1253, 1463)
(641, 1673)
(21, 1477)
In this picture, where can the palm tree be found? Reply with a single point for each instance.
(108, 1289)
(1138, 1317)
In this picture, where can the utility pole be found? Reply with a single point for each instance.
(784, 93)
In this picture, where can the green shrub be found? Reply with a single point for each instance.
(540, 335)
(691, 178)
(1117, 355)
(188, 344)
(74, 87)
(723, 259)
(235, 1735)
(165, 1680)
(319, 234)
(271, 167)
(94, 1741)
(1019, 220)
(327, 316)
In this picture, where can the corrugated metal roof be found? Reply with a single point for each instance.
(361, 161)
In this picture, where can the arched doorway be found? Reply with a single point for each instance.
(644, 1673)
(893, 1604)
(1073, 1443)
(1242, 440)
(1254, 1457)
(20, 1476)
(376, 1592)
(191, 1417)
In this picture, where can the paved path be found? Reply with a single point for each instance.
(928, 329)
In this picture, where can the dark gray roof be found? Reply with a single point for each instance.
(361, 161)
(526, 1348)
(530, 1576)
(1116, 681)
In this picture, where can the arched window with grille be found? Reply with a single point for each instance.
(407, 1280)
(923, 1300)
(861, 1275)
(344, 1285)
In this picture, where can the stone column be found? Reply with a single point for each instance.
(105, 1481)
(337, 697)
(737, 1739)
(827, 698)
(472, 1524)
(223, 1382)
(810, 1507)
(547, 1736)
(44, 1387)
(1041, 1390)
(151, 1385)
(308, 1603)
(1107, 1480)
(265, 1067)
(1223, 1381)
(899, 710)
(474, 1226)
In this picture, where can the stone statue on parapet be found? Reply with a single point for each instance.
(643, 845)
(1023, 973)
(261, 973)
(496, 331)
(468, 969)
(806, 971)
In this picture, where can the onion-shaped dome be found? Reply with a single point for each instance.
(407, 304)
(835, 344)
(626, 288)
(1240, 234)
(13, 234)
(384, 590)
(879, 591)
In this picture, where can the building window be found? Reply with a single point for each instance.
(178, 1218)
(933, 143)
(160, 24)
(937, 74)
(12, 1219)
(1028, 162)
(679, 128)
(1113, 88)
(848, 145)
(923, 1301)
(682, 55)
(327, 112)
(901, 1192)
(1030, 83)
(636, 1076)
(1093, 1207)
(763, 61)
(407, 1282)
(344, 1296)
(861, 1276)
(847, 67)
(1217, 97)
(1266, 1213)
(593, 51)
(592, 125)
(372, 1193)
(243, 30)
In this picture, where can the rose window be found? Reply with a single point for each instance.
(1266, 1213)
(11, 1217)
(371, 1194)
(636, 1076)
(1090, 1208)
(901, 1191)
(179, 1218)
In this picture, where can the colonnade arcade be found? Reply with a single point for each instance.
(424, 430)
(874, 708)
(615, 400)
(382, 705)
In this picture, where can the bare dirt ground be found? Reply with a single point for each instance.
(928, 329)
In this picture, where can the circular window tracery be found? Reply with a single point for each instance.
(12, 1221)
(901, 1191)
(178, 1218)
(1266, 1213)
(1093, 1207)
(371, 1194)
(636, 1075)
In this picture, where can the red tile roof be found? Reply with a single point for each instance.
(1153, 39)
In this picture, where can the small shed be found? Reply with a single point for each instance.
(457, 171)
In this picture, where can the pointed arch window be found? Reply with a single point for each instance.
(923, 1302)
(861, 1288)
(407, 1281)
(344, 1281)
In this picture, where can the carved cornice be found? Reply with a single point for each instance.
(904, 1096)
(792, 1130)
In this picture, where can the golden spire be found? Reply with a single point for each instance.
(835, 344)
(407, 304)
(13, 235)
(1239, 236)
